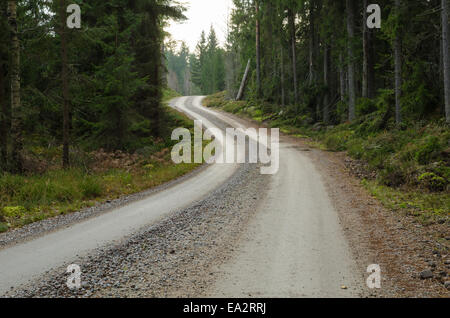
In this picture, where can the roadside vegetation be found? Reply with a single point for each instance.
(47, 190)
(82, 111)
(407, 168)
(321, 70)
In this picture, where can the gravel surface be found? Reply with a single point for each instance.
(40, 228)
(406, 250)
(170, 259)
(179, 256)
(402, 246)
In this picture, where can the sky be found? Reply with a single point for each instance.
(201, 15)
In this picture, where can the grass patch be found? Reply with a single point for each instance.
(427, 207)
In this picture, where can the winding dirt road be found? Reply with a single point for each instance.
(291, 246)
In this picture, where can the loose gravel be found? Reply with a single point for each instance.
(43, 227)
(172, 258)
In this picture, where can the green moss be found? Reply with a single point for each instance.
(13, 211)
(432, 182)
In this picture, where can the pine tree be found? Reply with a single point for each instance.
(446, 57)
(16, 121)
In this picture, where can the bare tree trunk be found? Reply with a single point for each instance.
(351, 62)
(3, 98)
(16, 133)
(65, 87)
(371, 82)
(3, 122)
(283, 92)
(291, 19)
(446, 57)
(311, 42)
(398, 70)
(258, 50)
(244, 80)
(368, 81)
(341, 77)
(365, 79)
(326, 80)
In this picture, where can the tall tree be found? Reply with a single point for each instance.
(351, 59)
(293, 43)
(3, 80)
(65, 84)
(446, 57)
(312, 41)
(368, 57)
(398, 65)
(16, 129)
(326, 80)
(258, 49)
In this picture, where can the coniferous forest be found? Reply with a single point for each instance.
(376, 86)
(100, 85)
(81, 107)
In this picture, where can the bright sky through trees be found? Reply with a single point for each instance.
(201, 15)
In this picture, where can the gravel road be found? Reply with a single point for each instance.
(225, 231)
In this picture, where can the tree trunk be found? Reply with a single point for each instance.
(398, 70)
(283, 92)
(446, 57)
(16, 133)
(65, 86)
(326, 81)
(3, 98)
(351, 62)
(294, 53)
(365, 79)
(244, 80)
(258, 50)
(371, 82)
(3, 122)
(341, 77)
(311, 43)
(368, 81)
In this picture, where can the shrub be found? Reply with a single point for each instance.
(13, 211)
(337, 141)
(356, 148)
(392, 175)
(429, 150)
(365, 106)
(90, 188)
